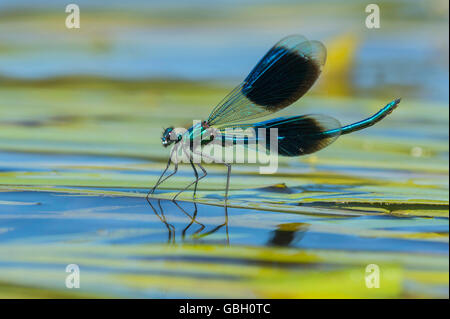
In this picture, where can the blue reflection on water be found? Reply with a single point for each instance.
(56, 218)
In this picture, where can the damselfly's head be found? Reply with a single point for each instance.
(169, 136)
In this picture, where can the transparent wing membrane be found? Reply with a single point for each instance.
(280, 78)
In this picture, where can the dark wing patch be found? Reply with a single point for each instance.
(285, 73)
(300, 135)
(280, 78)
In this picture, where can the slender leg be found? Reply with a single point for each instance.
(152, 190)
(161, 179)
(204, 175)
(228, 172)
(175, 170)
(228, 182)
(197, 179)
(195, 173)
(196, 176)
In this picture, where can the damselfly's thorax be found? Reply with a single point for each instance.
(199, 134)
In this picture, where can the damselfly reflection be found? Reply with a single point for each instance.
(288, 234)
(281, 77)
(195, 234)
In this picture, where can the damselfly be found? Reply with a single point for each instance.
(279, 79)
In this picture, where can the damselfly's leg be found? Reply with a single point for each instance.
(195, 172)
(228, 165)
(204, 175)
(228, 182)
(152, 190)
(196, 176)
(161, 179)
(196, 179)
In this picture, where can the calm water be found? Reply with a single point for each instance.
(379, 196)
